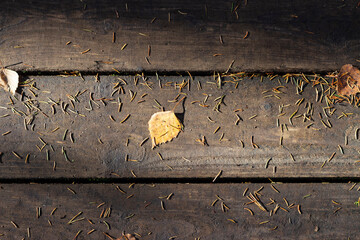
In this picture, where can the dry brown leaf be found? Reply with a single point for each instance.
(348, 80)
(9, 80)
(163, 127)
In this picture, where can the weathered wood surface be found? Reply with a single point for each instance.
(327, 211)
(99, 148)
(283, 35)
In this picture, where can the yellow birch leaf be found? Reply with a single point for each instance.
(127, 237)
(163, 127)
(9, 80)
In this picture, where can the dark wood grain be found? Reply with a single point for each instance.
(99, 148)
(187, 215)
(282, 35)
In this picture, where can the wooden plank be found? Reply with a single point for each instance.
(327, 211)
(185, 35)
(100, 147)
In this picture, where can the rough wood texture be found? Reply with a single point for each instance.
(187, 215)
(100, 143)
(282, 35)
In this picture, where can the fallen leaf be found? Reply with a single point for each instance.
(127, 236)
(163, 127)
(348, 80)
(9, 80)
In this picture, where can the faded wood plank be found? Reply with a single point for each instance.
(100, 144)
(187, 215)
(283, 35)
